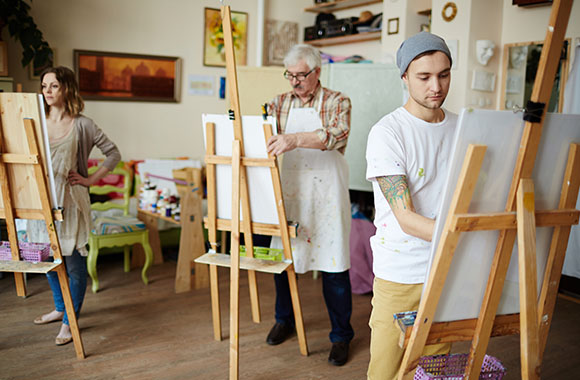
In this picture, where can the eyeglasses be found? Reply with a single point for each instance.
(299, 77)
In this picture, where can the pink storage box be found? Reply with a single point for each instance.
(35, 252)
(452, 367)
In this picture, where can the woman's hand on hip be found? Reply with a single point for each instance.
(75, 178)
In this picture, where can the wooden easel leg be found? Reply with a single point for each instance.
(254, 297)
(191, 245)
(212, 231)
(529, 342)
(442, 261)
(70, 311)
(252, 280)
(215, 302)
(285, 237)
(20, 284)
(297, 310)
(560, 236)
(235, 263)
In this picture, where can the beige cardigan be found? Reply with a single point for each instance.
(90, 135)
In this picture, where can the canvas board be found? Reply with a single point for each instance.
(260, 187)
(501, 132)
(14, 108)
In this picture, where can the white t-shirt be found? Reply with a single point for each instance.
(402, 144)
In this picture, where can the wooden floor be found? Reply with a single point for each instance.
(134, 331)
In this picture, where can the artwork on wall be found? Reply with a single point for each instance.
(35, 71)
(3, 59)
(201, 85)
(280, 37)
(393, 25)
(120, 76)
(483, 81)
(213, 40)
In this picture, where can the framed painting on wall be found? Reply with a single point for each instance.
(213, 39)
(133, 77)
(280, 37)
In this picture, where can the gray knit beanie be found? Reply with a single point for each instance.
(418, 44)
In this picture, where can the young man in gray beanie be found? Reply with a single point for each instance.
(407, 156)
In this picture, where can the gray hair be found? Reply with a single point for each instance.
(300, 52)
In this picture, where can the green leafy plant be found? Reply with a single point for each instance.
(14, 14)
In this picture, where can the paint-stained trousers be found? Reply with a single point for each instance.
(386, 355)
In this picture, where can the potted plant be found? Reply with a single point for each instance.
(14, 14)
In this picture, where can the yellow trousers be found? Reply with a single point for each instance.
(386, 355)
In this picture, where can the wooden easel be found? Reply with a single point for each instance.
(25, 195)
(191, 242)
(240, 192)
(535, 317)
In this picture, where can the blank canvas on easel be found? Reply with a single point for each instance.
(501, 131)
(262, 201)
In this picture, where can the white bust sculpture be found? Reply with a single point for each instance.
(484, 51)
(518, 55)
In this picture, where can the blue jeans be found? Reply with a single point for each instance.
(338, 298)
(76, 269)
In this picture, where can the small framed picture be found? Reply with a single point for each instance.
(214, 53)
(393, 25)
(483, 81)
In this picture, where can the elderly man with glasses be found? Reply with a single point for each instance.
(313, 127)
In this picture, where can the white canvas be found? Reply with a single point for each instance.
(261, 190)
(45, 142)
(501, 132)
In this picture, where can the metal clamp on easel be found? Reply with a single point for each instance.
(534, 111)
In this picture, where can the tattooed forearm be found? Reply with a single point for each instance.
(396, 191)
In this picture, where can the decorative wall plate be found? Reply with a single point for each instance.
(449, 11)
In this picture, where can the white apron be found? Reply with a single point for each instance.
(315, 187)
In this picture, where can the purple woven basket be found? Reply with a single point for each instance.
(452, 367)
(34, 252)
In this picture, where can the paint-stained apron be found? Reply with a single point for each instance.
(315, 188)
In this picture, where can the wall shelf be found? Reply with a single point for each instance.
(339, 5)
(359, 37)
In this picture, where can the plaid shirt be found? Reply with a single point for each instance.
(334, 113)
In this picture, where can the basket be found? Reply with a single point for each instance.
(272, 254)
(34, 252)
(452, 367)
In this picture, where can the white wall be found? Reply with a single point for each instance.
(529, 24)
(174, 28)
(486, 20)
